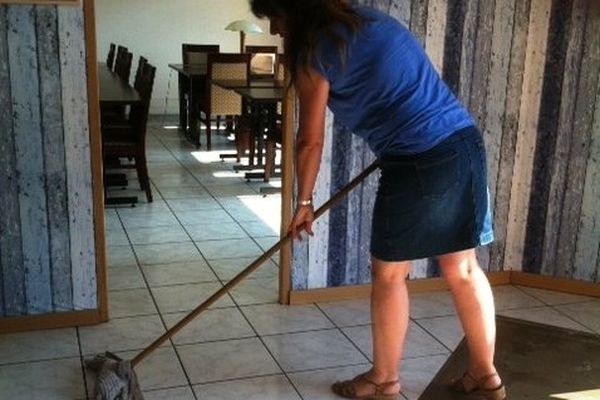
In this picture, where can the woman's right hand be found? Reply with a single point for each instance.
(302, 221)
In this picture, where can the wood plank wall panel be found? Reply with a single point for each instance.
(491, 124)
(47, 260)
(437, 11)
(510, 127)
(54, 158)
(587, 254)
(418, 20)
(318, 249)
(519, 67)
(559, 125)
(527, 132)
(11, 254)
(580, 146)
(77, 145)
(467, 52)
(29, 158)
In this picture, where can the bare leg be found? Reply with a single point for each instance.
(475, 307)
(389, 318)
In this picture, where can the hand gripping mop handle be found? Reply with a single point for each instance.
(248, 270)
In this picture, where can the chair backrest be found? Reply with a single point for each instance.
(121, 50)
(123, 66)
(262, 61)
(139, 112)
(140, 69)
(226, 66)
(197, 53)
(110, 58)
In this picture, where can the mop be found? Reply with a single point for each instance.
(116, 378)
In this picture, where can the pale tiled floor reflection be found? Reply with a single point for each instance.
(205, 225)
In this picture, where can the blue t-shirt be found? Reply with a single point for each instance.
(387, 91)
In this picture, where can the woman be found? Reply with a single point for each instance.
(432, 197)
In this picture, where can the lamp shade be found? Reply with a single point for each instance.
(243, 25)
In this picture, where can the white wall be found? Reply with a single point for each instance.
(157, 28)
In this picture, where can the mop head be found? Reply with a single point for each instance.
(115, 378)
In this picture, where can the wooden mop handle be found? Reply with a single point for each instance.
(249, 269)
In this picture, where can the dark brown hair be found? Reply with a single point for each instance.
(305, 20)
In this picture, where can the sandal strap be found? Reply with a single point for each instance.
(380, 387)
(484, 378)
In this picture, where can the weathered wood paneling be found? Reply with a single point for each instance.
(354, 159)
(11, 256)
(418, 20)
(580, 144)
(564, 134)
(555, 69)
(467, 53)
(437, 11)
(587, 254)
(77, 146)
(342, 142)
(510, 126)
(455, 21)
(482, 61)
(318, 245)
(527, 133)
(54, 157)
(502, 33)
(401, 9)
(47, 256)
(29, 159)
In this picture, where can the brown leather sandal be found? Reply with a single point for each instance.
(347, 389)
(479, 392)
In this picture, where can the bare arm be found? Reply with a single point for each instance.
(313, 91)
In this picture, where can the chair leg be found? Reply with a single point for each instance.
(243, 133)
(142, 170)
(269, 158)
(208, 129)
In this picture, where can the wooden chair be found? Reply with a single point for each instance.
(115, 114)
(274, 134)
(110, 58)
(121, 50)
(123, 66)
(245, 130)
(194, 54)
(128, 138)
(218, 101)
(262, 61)
(142, 61)
(197, 53)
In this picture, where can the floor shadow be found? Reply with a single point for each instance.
(536, 361)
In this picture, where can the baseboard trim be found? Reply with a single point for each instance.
(50, 321)
(350, 292)
(564, 285)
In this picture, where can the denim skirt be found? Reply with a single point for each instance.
(433, 203)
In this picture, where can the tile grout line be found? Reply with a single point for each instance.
(216, 275)
(555, 308)
(432, 335)
(141, 270)
(215, 198)
(260, 338)
(83, 366)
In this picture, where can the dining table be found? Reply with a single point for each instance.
(113, 90)
(191, 80)
(262, 102)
